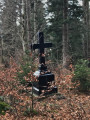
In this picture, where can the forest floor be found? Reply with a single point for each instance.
(67, 104)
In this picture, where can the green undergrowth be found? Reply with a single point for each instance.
(26, 69)
(81, 77)
(3, 107)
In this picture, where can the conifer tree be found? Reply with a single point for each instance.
(75, 27)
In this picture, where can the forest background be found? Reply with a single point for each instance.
(66, 24)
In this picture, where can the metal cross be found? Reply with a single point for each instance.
(41, 45)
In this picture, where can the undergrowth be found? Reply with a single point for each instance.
(81, 78)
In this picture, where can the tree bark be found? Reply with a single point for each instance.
(35, 2)
(2, 48)
(28, 15)
(86, 26)
(65, 34)
(22, 27)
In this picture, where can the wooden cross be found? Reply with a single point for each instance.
(41, 45)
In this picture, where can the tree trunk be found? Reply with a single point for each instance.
(2, 47)
(28, 14)
(35, 2)
(23, 25)
(89, 35)
(65, 34)
(86, 26)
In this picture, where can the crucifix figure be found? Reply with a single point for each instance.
(41, 45)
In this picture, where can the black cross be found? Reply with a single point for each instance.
(41, 45)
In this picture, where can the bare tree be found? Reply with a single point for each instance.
(19, 25)
(9, 28)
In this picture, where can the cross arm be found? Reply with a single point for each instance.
(47, 45)
(35, 46)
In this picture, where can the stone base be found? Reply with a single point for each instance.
(43, 90)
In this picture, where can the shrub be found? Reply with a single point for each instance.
(81, 77)
(3, 107)
(26, 69)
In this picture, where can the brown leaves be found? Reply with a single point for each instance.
(75, 106)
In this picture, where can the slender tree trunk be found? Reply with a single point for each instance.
(86, 26)
(89, 35)
(35, 3)
(28, 14)
(2, 48)
(23, 29)
(65, 34)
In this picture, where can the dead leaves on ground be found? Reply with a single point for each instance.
(74, 106)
